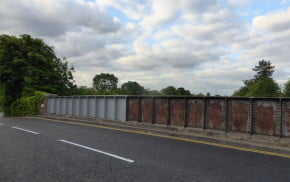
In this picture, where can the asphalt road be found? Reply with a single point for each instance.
(41, 150)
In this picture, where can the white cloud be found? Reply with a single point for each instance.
(54, 17)
(276, 21)
(267, 39)
(202, 45)
(239, 3)
(133, 9)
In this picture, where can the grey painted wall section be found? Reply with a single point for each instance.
(104, 107)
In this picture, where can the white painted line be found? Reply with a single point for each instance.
(33, 132)
(1, 124)
(99, 151)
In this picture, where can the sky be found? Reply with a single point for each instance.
(201, 45)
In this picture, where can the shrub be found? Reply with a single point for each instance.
(27, 105)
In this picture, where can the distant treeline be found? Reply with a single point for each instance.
(107, 84)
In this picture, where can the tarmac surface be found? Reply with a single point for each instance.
(42, 150)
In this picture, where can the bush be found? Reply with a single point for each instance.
(27, 105)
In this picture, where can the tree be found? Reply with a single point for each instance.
(28, 64)
(286, 90)
(84, 90)
(264, 69)
(105, 83)
(182, 91)
(264, 87)
(152, 92)
(170, 90)
(200, 95)
(132, 88)
(244, 90)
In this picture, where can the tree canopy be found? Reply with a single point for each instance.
(132, 88)
(182, 91)
(84, 90)
(262, 85)
(264, 69)
(287, 89)
(28, 64)
(105, 83)
(171, 90)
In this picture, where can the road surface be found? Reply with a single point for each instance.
(42, 150)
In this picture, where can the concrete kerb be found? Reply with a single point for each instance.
(256, 142)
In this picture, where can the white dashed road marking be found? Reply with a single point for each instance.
(99, 151)
(29, 131)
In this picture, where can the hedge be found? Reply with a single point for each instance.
(27, 105)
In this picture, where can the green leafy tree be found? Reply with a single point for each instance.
(200, 95)
(84, 90)
(105, 83)
(132, 88)
(170, 90)
(264, 69)
(244, 90)
(264, 87)
(182, 91)
(28, 64)
(286, 90)
(152, 92)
